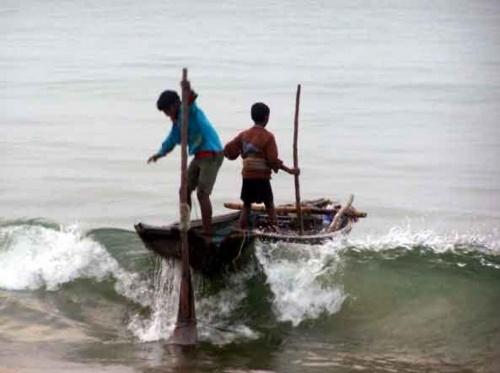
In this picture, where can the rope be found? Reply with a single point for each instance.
(185, 222)
(241, 248)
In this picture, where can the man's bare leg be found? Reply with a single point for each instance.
(244, 216)
(206, 211)
(271, 213)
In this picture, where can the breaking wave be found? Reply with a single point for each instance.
(302, 279)
(283, 284)
(37, 256)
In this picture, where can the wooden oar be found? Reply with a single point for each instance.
(185, 332)
(296, 162)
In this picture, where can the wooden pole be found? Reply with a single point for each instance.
(185, 332)
(337, 219)
(296, 162)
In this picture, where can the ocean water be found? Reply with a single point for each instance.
(400, 106)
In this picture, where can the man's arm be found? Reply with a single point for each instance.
(192, 94)
(172, 139)
(233, 148)
(154, 158)
(291, 171)
(274, 162)
(271, 154)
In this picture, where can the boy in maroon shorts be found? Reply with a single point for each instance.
(259, 152)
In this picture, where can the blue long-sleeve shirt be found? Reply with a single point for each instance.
(202, 135)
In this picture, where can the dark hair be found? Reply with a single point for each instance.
(167, 99)
(260, 112)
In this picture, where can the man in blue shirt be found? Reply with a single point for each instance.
(203, 142)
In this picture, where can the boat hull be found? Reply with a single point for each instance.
(227, 246)
(208, 256)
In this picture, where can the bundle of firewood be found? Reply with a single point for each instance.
(317, 206)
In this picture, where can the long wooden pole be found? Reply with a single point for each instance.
(296, 161)
(185, 332)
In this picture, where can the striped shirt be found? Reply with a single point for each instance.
(258, 150)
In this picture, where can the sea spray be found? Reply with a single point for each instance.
(302, 279)
(163, 308)
(216, 321)
(301, 282)
(213, 311)
(403, 236)
(34, 256)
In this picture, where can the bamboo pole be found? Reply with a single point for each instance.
(296, 162)
(185, 332)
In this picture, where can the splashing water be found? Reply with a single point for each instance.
(165, 299)
(302, 280)
(305, 281)
(405, 237)
(215, 311)
(36, 256)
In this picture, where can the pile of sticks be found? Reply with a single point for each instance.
(318, 206)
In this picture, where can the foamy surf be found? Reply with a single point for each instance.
(306, 280)
(302, 280)
(405, 237)
(39, 256)
(36, 256)
(213, 312)
(163, 307)
(216, 322)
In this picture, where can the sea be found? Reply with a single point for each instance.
(400, 107)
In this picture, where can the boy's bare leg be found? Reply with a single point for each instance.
(206, 211)
(271, 212)
(244, 216)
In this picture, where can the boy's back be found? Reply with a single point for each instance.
(257, 147)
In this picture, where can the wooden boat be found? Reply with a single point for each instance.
(322, 219)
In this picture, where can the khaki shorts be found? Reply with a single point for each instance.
(202, 173)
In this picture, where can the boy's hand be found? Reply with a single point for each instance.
(186, 84)
(153, 158)
(291, 171)
(192, 94)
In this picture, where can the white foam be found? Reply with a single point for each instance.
(165, 299)
(40, 257)
(213, 312)
(34, 256)
(302, 280)
(405, 237)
